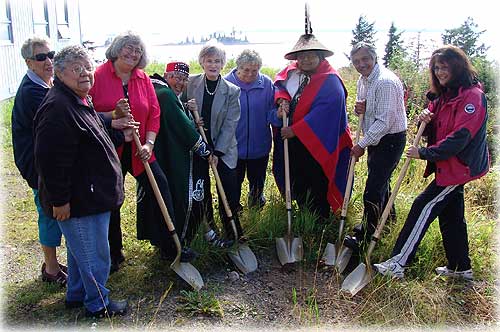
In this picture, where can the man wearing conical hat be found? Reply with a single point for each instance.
(314, 96)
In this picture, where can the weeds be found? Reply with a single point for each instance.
(199, 303)
(421, 300)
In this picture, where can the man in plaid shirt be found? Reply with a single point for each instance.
(380, 98)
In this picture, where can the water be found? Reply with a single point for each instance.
(272, 48)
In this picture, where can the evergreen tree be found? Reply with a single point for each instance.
(394, 45)
(363, 32)
(467, 38)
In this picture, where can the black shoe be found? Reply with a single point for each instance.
(114, 308)
(73, 304)
(352, 242)
(188, 255)
(116, 260)
(214, 240)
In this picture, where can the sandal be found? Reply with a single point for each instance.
(60, 278)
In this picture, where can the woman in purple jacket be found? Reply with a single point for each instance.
(253, 132)
(457, 153)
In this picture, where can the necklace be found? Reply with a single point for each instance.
(215, 90)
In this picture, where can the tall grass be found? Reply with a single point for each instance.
(421, 299)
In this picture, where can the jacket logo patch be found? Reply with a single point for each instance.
(469, 109)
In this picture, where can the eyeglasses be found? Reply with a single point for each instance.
(444, 69)
(43, 56)
(181, 79)
(78, 70)
(131, 49)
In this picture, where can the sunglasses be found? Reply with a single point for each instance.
(44, 56)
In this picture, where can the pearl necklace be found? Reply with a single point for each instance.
(206, 86)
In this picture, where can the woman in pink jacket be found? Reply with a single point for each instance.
(122, 89)
(457, 153)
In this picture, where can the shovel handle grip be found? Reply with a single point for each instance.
(218, 181)
(158, 196)
(390, 202)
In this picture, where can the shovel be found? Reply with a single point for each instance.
(289, 249)
(185, 270)
(241, 254)
(330, 256)
(364, 273)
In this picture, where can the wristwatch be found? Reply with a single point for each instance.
(150, 141)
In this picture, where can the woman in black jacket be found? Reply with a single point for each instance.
(80, 179)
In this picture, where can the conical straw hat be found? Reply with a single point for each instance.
(307, 42)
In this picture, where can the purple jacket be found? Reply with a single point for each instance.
(253, 132)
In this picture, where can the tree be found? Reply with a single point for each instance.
(394, 45)
(467, 38)
(363, 32)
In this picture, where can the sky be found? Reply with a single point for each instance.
(283, 21)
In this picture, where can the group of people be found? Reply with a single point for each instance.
(75, 128)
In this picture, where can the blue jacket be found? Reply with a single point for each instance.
(28, 97)
(253, 132)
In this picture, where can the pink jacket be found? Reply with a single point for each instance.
(108, 89)
(457, 150)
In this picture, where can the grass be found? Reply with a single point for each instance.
(421, 300)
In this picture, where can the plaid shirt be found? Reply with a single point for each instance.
(385, 110)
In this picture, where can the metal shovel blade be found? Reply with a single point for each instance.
(289, 251)
(359, 278)
(189, 273)
(330, 255)
(343, 258)
(244, 258)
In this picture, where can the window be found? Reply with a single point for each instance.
(40, 18)
(5, 23)
(62, 19)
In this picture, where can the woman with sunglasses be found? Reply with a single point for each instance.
(34, 86)
(123, 89)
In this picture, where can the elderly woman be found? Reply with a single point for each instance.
(34, 86)
(253, 133)
(218, 100)
(123, 89)
(80, 180)
(180, 151)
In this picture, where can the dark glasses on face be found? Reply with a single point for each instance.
(44, 56)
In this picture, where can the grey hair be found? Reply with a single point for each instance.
(30, 44)
(248, 57)
(367, 46)
(120, 41)
(68, 55)
(212, 49)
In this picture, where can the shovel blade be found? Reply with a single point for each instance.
(289, 252)
(343, 258)
(188, 273)
(244, 258)
(357, 279)
(330, 255)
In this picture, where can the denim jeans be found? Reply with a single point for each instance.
(88, 259)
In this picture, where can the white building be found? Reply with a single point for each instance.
(58, 20)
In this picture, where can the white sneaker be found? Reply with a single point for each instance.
(390, 268)
(446, 272)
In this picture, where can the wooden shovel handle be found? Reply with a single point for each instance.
(288, 194)
(350, 176)
(159, 198)
(216, 175)
(388, 206)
